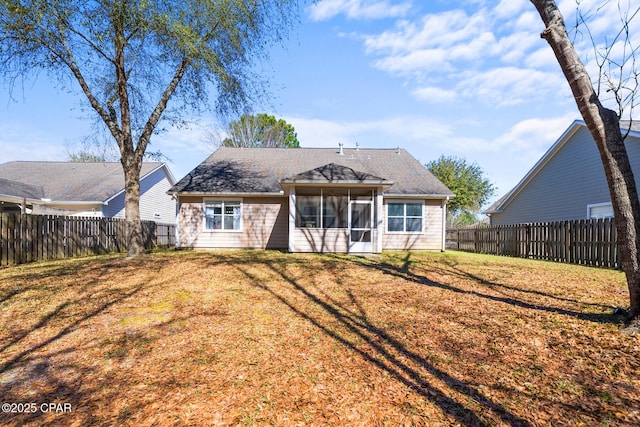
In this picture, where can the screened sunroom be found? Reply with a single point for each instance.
(340, 215)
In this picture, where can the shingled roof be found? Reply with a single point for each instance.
(20, 189)
(263, 170)
(335, 174)
(67, 181)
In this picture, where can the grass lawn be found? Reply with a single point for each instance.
(267, 338)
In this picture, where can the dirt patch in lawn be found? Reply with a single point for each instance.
(266, 338)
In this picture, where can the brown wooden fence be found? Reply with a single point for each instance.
(28, 238)
(585, 242)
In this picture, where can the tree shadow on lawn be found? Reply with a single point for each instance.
(403, 271)
(43, 371)
(90, 290)
(17, 280)
(386, 353)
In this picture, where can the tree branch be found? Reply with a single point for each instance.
(152, 122)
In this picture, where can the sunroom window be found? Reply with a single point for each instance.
(223, 215)
(404, 217)
(322, 208)
(327, 207)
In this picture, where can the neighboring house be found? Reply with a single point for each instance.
(567, 183)
(84, 189)
(311, 200)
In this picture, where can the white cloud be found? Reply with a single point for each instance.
(542, 58)
(435, 95)
(516, 46)
(530, 20)
(358, 9)
(507, 9)
(29, 143)
(416, 62)
(535, 136)
(320, 133)
(387, 132)
(508, 86)
(431, 31)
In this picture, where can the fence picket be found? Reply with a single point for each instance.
(28, 238)
(586, 242)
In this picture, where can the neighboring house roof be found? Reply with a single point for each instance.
(500, 204)
(20, 189)
(264, 170)
(70, 181)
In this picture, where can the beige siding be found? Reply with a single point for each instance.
(429, 239)
(321, 240)
(264, 225)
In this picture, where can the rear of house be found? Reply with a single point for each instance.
(311, 200)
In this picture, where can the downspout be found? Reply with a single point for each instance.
(292, 218)
(176, 197)
(444, 224)
(379, 215)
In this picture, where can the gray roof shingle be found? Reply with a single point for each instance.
(70, 181)
(260, 170)
(20, 189)
(333, 173)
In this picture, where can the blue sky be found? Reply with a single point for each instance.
(472, 79)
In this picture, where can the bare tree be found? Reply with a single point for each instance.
(130, 57)
(604, 125)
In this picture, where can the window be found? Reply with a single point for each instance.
(404, 217)
(599, 210)
(223, 215)
(334, 211)
(308, 211)
(320, 208)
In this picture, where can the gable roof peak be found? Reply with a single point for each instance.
(334, 173)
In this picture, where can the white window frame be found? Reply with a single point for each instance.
(404, 216)
(210, 202)
(597, 205)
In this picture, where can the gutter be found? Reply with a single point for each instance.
(419, 196)
(227, 194)
(23, 201)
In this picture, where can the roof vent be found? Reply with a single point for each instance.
(340, 150)
(398, 150)
(357, 147)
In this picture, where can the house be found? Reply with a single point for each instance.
(84, 189)
(311, 200)
(567, 183)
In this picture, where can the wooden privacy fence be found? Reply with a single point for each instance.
(28, 238)
(585, 242)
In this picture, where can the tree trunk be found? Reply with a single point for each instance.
(133, 224)
(604, 126)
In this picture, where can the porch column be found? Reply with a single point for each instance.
(292, 218)
(380, 222)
